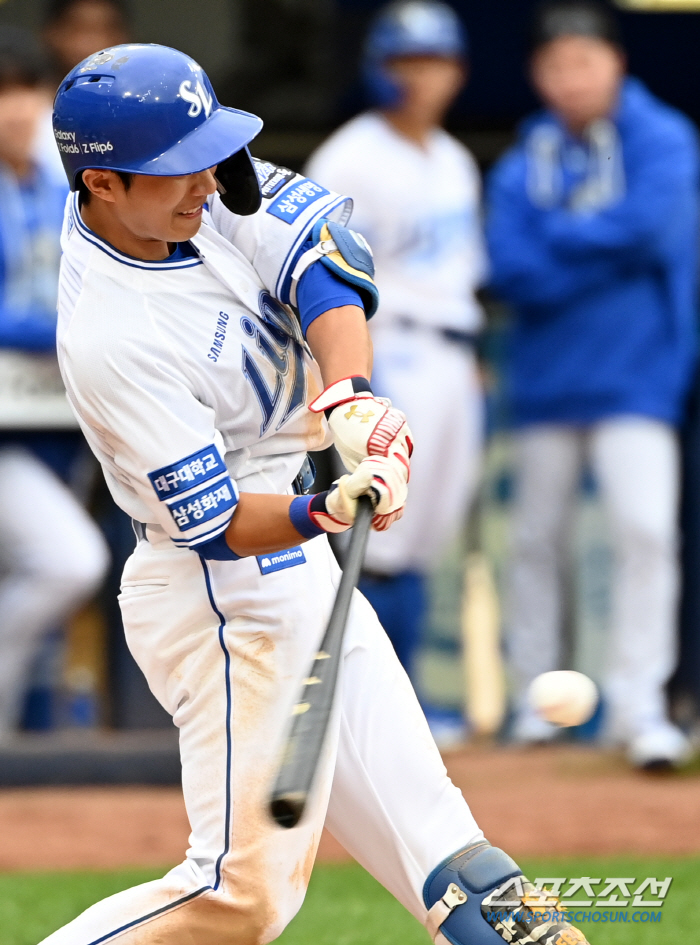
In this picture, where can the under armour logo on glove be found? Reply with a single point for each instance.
(368, 426)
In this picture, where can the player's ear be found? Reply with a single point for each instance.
(102, 183)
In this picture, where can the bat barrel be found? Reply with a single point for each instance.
(311, 713)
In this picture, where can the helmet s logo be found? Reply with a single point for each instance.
(198, 98)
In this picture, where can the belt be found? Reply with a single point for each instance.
(302, 484)
(466, 339)
(304, 480)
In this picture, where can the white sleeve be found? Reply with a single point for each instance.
(271, 238)
(160, 440)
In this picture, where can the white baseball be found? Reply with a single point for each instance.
(563, 697)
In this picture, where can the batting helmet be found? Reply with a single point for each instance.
(409, 28)
(147, 109)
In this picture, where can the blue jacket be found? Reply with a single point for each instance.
(595, 245)
(31, 215)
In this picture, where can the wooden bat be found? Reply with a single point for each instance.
(483, 663)
(310, 715)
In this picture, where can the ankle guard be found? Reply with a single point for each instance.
(479, 896)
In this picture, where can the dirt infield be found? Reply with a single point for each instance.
(533, 802)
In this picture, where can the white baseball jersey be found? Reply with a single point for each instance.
(419, 208)
(190, 380)
(188, 376)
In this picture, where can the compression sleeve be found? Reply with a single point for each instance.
(320, 290)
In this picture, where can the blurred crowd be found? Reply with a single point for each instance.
(586, 229)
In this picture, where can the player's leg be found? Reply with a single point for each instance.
(52, 557)
(224, 649)
(547, 462)
(637, 462)
(395, 809)
(436, 384)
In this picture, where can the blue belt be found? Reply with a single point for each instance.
(466, 339)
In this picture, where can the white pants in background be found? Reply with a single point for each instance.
(52, 558)
(636, 463)
(225, 649)
(435, 383)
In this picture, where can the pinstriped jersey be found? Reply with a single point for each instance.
(189, 376)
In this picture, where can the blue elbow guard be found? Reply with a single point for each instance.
(346, 254)
(479, 896)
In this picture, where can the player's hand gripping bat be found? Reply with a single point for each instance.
(311, 713)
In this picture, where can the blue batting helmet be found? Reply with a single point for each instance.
(409, 28)
(147, 109)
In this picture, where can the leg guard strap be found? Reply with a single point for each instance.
(479, 896)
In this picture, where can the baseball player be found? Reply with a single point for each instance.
(416, 193)
(203, 335)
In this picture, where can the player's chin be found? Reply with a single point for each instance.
(186, 225)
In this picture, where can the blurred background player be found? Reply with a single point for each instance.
(73, 30)
(52, 557)
(592, 230)
(416, 193)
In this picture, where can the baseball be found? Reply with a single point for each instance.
(563, 697)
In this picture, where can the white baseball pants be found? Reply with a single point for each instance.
(225, 650)
(52, 558)
(636, 463)
(435, 382)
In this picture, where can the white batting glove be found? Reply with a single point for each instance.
(362, 424)
(383, 479)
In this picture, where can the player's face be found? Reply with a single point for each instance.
(86, 27)
(429, 83)
(165, 209)
(20, 111)
(579, 78)
(146, 218)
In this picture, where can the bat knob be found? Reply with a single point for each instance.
(287, 809)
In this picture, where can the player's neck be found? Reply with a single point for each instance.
(100, 218)
(416, 129)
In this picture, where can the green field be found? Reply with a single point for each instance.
(345, 906)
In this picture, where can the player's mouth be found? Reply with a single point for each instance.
(191, 214)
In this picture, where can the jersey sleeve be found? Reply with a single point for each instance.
(133, 396)
(272, 238)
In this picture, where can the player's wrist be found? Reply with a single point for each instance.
(311, 517)
(343, 391)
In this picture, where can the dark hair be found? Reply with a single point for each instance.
(57, 9)
(556, 18)
(85, 194)
(22, 60)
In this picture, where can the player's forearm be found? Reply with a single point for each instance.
(261, 525)
(341, 344)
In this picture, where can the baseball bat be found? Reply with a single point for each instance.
(310, 714)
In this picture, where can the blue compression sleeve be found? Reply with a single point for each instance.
(319, 290)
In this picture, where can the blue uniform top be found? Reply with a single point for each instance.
(31, 216)
(595, 245)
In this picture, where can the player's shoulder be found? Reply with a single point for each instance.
(355, 141)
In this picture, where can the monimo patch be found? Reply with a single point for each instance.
(281, 560)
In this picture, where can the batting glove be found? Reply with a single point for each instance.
(383, 479)
(362, 424)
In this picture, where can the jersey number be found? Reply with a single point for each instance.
(284, 352)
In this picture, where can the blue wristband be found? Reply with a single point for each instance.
(299, 516)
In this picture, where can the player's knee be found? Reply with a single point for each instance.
(252, 914)
(479, 896)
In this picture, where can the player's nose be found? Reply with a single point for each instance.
(204, 183)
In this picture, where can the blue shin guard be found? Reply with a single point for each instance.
(478, 896)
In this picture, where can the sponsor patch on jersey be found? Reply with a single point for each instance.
(187, 473)
(281, 560)
(204, 505)
(271, 177)
(292, 201)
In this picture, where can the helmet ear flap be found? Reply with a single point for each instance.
(238, 184)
